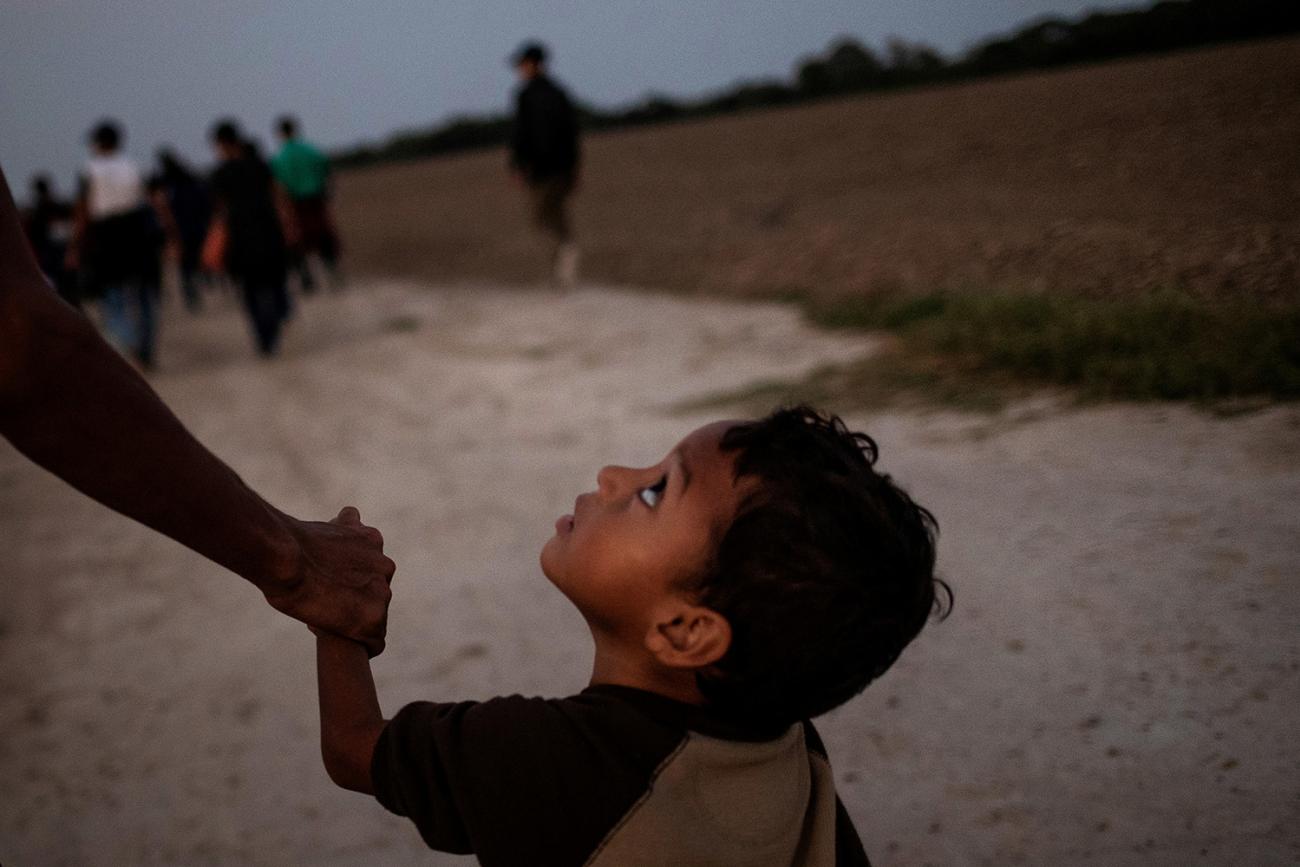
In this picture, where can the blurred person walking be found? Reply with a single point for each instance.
(247, 214)
(183, 197)
(47, 222)
(544, 155)
(303, 172)
(115, 244)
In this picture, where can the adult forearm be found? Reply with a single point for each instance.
(72, 405)
(80, 411)
(350, 718)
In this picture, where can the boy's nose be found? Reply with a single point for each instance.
(609, 479)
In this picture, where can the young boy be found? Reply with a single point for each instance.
(759, 575)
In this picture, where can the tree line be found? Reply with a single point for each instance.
(847, 66)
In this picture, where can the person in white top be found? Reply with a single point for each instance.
(114, 185)
(116, 246)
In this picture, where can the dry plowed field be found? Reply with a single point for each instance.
(1181, 170)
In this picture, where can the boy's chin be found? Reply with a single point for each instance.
(550, 559)
(556, 569)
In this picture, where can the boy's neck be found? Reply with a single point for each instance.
(616, 666)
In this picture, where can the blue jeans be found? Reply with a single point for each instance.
(129, 315)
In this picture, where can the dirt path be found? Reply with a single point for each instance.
(1118, 683)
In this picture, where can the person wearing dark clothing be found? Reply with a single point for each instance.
(761, 574)
(48, 225)
(244, 195)
(545, 154)
(189, 208)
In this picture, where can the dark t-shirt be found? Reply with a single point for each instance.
(613, 776)
(48, 225)
(544, 140)
(255, 245)
(189, 204)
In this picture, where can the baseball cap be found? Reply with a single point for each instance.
(534, 51)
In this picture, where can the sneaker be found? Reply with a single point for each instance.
(566, 265)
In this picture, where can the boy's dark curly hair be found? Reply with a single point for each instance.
(825, 573)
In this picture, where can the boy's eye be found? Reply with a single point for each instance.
(651, 495)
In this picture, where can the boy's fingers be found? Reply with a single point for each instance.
(348, 515)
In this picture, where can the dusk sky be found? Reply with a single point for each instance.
(355, 72)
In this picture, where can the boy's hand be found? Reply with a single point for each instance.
(338, 579)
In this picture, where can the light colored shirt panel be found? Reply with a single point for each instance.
(721, 803)
(113, 186)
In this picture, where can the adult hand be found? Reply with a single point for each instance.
(340, 582)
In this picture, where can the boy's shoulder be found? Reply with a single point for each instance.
(603, 727)
(612, 769)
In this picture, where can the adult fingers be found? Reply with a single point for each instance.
(373, 534)
(349, 516)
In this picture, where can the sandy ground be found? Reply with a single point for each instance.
(1118, 684)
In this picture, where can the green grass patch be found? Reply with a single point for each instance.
(1158, 346)
(891, 377)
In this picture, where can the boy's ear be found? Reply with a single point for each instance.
(688, 636)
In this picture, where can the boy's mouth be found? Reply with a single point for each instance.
(565, 524)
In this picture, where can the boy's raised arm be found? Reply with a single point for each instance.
(350, 719)
(72, 405)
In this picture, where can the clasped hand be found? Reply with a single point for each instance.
(340, 582)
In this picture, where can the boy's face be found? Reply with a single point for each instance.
(631, 543)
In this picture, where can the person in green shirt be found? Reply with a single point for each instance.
(304, 172)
